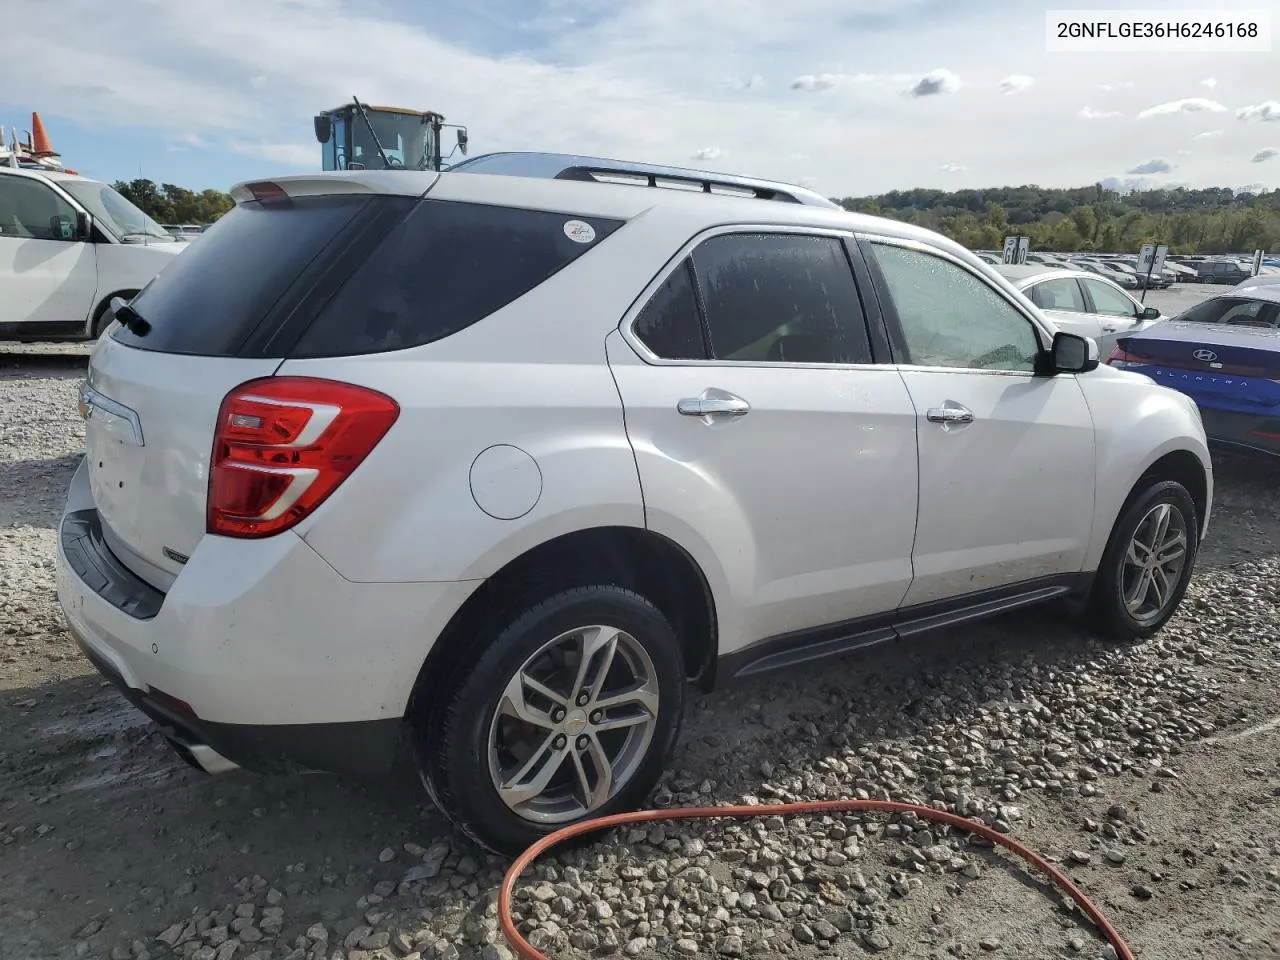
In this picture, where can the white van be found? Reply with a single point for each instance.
(69, 244)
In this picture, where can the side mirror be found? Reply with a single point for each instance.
(462, 141)
(84, 226)
(1150, 313)
(323, 126)
(1072, 353)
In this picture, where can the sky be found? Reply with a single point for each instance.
(851, 97)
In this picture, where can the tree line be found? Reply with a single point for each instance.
(1206, 221)
(167, 203)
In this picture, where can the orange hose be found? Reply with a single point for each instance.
(528, 952)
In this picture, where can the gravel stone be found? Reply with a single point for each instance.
(1027, 723)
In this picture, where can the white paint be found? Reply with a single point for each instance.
(505, 482)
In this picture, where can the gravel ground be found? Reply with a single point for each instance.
(1151, 773)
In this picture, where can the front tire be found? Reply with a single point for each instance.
(570, 713)
(1147, 564)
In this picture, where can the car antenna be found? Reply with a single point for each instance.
(373, 133)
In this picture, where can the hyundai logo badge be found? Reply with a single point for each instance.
(1208, 356)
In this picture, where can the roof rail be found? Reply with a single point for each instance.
(565, 166)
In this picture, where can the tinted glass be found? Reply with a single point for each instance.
(446, 266)
(950, 318)
(213, 294)
(29, 209)
(779, 297)
(1235, 310)
(1110, 301)
(114, 211)
(1058, 295)
(669, 324)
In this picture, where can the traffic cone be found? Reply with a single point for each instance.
(40, 145)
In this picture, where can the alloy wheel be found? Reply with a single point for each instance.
(1154, 563)
(573, 724)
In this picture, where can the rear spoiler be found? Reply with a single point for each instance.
(404, 183)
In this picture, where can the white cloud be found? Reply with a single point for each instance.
(1209, 135)
(708, 153)
(1188, 105)
(1125, 184)
(1156, 165)
(1015, 82)
(1124, 85)
(651, 80)
(828, 81)
(188, 141)
(1088, 113)
(288, 154)
(952, 168)
(935, 82)
(1265, 154)
(1267, 111)
(1209, 82)
(1184, 153)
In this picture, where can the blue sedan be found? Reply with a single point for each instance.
(1225, 354)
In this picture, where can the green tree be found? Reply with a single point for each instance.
(169, 203)
(1210, 220)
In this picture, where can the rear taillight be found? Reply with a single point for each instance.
(1120, 357)
(282, 445)
(266, 190)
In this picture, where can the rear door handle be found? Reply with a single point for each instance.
(713, 403)
(950, 412)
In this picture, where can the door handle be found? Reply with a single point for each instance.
(1107, 328)
(719, 405)
(950, 413)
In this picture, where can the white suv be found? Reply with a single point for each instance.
(496, 460)
(68, 246)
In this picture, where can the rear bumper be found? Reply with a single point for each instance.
(260, 651)
(356, 748)
(1247, 431)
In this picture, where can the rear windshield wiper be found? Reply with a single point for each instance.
(132, 320)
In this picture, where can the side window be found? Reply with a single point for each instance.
(669, 324)
(1058, 295)
(1251, 313)
(1110, 301)
(445, 266)
(32, 211)
(950, 318)
(781, 297)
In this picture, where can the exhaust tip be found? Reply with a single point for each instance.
(202, 757)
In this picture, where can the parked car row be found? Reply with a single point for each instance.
(1124, 270)
(184, 231)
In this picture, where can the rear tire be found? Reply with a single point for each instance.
(525, 739)
(1147, 564)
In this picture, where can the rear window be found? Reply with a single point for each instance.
(444, 267)
(213, 295)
